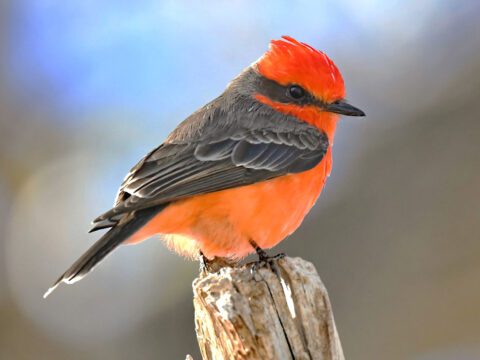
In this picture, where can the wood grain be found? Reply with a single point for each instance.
(274, 312)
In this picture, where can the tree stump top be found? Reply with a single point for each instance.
(274, 312)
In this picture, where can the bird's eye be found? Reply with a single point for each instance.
(296, 92)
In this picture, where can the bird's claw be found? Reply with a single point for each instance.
(264, 260)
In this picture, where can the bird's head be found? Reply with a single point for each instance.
(298, 80)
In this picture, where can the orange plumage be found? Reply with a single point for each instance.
(222, 223)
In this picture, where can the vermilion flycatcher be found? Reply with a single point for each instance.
(241, 173)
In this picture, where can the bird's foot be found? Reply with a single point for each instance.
(264, 260)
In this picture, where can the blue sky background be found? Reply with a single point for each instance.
(162, 57)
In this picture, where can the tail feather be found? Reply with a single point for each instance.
(104, 246)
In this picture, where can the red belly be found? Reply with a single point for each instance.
(223, 222)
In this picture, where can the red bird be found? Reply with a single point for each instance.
(240, 174)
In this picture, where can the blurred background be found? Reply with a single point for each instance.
(88, 87)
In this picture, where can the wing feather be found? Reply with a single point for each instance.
(216, 165)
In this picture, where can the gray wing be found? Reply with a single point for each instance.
(178, 170)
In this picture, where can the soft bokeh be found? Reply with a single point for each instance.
(87, 87)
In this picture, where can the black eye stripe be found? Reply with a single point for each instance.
(283, 94)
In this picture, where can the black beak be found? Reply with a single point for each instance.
(344, 108)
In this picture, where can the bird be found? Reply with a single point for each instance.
(238, 175)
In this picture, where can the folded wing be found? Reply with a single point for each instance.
(174, 171)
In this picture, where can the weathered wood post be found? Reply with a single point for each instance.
(277, 312)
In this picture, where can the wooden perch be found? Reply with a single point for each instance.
(278, 312)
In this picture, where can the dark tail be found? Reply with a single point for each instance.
(104, 246)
